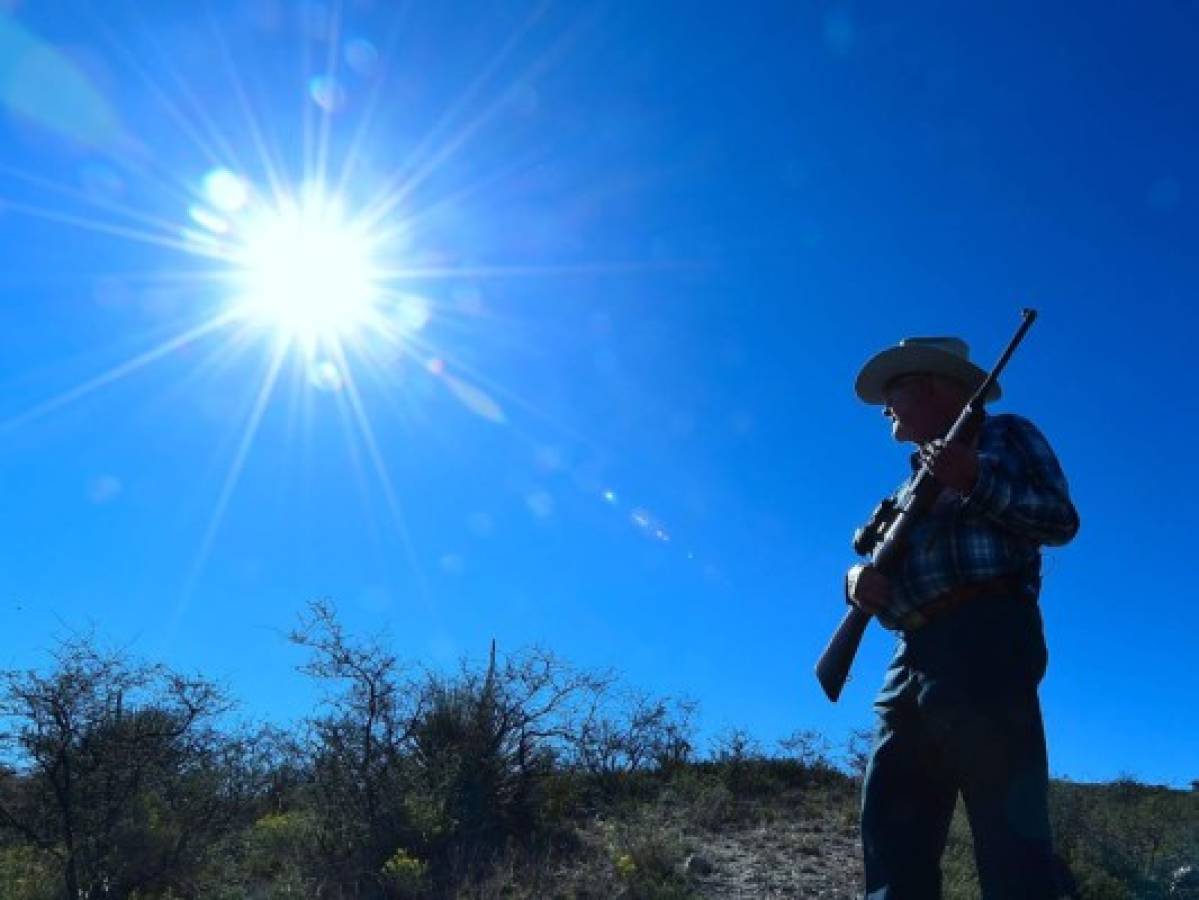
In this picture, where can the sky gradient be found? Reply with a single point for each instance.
(636, 254)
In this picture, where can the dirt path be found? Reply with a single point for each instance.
(777, 861)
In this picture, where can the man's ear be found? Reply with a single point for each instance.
(928, 385)
(949, 389)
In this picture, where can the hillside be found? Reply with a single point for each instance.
(524, 778)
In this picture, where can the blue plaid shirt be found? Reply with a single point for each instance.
(1019, 503)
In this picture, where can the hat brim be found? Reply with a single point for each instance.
(893, 362)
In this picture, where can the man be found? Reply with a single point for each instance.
(958, 711)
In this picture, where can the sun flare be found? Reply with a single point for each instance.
(306, 271)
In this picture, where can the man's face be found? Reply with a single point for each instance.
(909, 403)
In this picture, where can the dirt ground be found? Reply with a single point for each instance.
(770, 862)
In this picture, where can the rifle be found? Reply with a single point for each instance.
(884, 536)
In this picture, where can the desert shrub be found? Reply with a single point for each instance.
(27, 874)
(959, 876)
(738, 757)
(119, 766)
(405, 876)
(1124, 835)
(629, 732)
(702, 797)
(1096, 884)
(279, 842)
(648, 861)
(1120, 840)
(457, 768)
(809, 748)
(855, 753)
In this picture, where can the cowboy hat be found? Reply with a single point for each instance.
(948, 356)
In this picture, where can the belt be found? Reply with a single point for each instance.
(955, 597)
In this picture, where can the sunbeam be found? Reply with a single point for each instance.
(327, 108)
(404, 183)
(118, 372)
(361, 135)
(381, 471)
(236, 465)
(205, 135)
(182, 244)
(270, 162)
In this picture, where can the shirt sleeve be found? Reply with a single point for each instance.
(1021, 487)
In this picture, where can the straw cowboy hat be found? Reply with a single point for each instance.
(948, 356)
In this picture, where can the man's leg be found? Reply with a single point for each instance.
(907, 803)
(999, 752)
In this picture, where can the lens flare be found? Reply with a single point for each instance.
(226, 191)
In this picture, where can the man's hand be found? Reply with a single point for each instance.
(867, 588)
(953, 465)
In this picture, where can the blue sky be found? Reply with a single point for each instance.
(640, 252)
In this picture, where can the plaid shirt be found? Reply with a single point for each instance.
(1019, 503)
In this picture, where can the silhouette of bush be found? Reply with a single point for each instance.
(455, 770)
(120, 775)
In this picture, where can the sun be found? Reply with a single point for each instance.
(305, 271)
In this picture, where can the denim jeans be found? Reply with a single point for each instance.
(959, 714)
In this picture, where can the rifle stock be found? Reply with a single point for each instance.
(832, 669)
